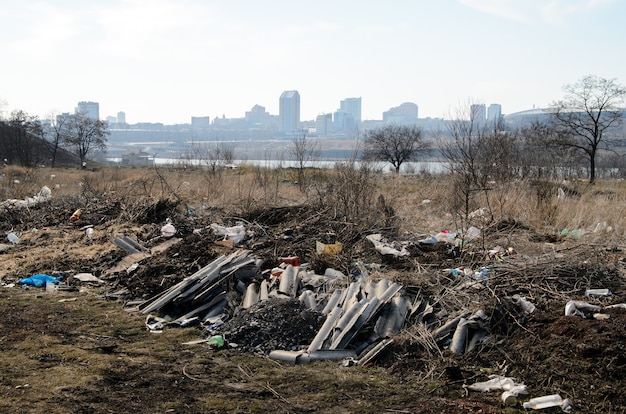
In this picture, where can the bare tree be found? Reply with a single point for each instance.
(19, 134)
(55, 133)
(303, 151)
(85, 135)
(213, 155)
(395, 144)
(585, 116)
(477, 152)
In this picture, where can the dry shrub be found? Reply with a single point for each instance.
(350, 192)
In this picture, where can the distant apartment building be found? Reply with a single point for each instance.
(323, 124)
(478, 113)
(200, 122)
(121, 117)
(289, 111)
(494, 112)
(90, 109)
(259, 118)
(352, 106)
(403, 114)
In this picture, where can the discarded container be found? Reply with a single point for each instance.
(546, 401)
(89, 233)
(577, 307)
(291, 260)
(598, 292)
(13, 238)
(482, 274)
(322, 248)
(523, 304)
(76, 215)
(168, 230)
(216, 341)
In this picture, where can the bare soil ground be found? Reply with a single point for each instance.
(80, 349)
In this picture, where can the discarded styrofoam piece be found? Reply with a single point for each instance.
(302, 357)
(459, 338)
(617, 305)
(251, 296)
(385, 248)
(576, 307)
(234, 233)
(87, 277)
(370, 353)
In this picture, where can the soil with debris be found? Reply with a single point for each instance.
(82, 350)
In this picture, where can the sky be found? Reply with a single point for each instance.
(169, 60)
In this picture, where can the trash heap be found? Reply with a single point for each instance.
(346, 317)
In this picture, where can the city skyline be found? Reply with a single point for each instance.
(168, 61)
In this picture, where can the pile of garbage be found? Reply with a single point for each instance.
(339, 317)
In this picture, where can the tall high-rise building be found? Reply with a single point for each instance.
(478, 113)
(121, 117)
(494, 112)
(352, 106)
(289, 111)
(89, 109)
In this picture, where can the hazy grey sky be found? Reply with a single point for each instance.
(168, 60)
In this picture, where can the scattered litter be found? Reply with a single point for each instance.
(87, 277)
(548, 401)
(168, 230)
(511, 388)
(234, 233)
(574, 234)
(39, 280)
(386, 248)
(132, 268)
(12, 237)
(598, 292)
(41, 197)
(76, 215)
(322, 248)
(580, 308)
(523, 303)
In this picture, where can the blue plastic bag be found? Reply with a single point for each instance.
(39, 280)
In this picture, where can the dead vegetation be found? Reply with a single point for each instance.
(80, 350)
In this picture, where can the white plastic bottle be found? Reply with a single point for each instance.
(546, 401)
